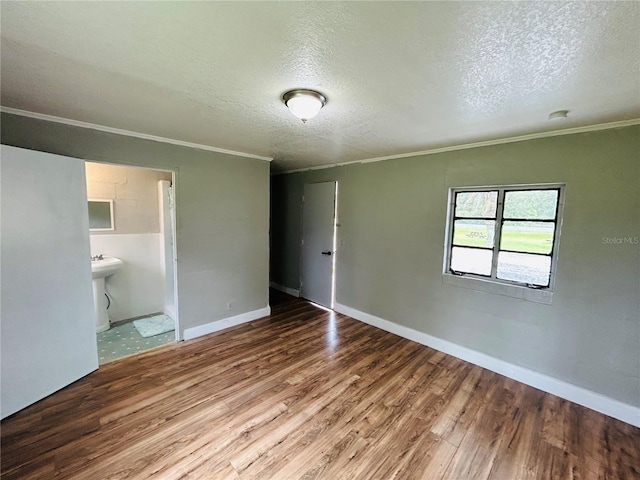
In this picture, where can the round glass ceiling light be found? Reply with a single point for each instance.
(304, 104)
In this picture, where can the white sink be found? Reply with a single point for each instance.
(105, 267)
(100, 269)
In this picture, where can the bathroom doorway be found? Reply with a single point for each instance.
(132, 237)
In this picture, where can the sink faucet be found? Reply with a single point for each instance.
(97, 257)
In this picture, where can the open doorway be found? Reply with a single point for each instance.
(133, 249)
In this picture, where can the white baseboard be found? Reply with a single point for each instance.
(587, 398)
(207, 328)
(290, 291)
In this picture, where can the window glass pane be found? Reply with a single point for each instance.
(531, 204)
(476, 204)
(471, 260)
(521, 267)
(474, 233)
(530, 237)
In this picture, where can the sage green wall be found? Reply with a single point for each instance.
(392, 217)
(222, 211)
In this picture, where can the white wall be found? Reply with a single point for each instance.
(47, 324)
(138, 287)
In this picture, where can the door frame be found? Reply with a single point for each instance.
(175, 172)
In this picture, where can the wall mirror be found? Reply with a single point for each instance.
(100, 215)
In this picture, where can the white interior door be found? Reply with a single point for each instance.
(318, 226)
(48, 336)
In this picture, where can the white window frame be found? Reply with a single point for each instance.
(492, 284)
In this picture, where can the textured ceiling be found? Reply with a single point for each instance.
(400, 77)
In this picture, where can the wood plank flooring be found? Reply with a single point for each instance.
(308, 394)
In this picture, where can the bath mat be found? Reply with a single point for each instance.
(152, 326)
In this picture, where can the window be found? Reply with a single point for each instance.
(505, 234)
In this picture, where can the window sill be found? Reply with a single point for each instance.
(514, 291)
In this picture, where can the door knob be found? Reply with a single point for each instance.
(327, 252)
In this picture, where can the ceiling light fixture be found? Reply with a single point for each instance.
(560, 114)
(304, 104)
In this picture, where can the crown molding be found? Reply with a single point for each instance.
(452, 148)
(487, 143)
(128, 133)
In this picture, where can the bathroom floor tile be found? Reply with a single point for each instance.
(124, 339)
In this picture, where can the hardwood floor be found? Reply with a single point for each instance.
(308, 394)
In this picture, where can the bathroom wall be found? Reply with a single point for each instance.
(139, 287)
(167, 245)
(134, 192)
